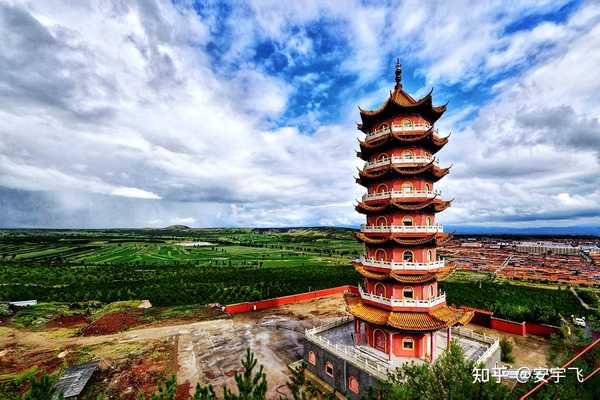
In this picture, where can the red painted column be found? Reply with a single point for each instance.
(432, 345)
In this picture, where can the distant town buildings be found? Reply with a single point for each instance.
(564, 261)
(547, 248)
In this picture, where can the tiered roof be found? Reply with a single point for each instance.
(401, 238)
(435, 205)
(402, 278)
(400, 102)
(417, 319)
(429, 170)
(429, 139)
(439, 317)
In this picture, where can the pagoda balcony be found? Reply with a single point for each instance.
(401, 194)
(391, 302)
(398, 128)
(401, 228)
(395, 160)
(401, 266)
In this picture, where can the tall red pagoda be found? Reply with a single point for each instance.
(398, 313)
(399, 307)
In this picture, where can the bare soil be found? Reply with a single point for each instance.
(529, 351)
(113, 322)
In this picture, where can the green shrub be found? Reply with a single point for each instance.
(506, 348)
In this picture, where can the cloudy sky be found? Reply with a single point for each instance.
(139, 114)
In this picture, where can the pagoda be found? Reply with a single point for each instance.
(398, 313)
(399, 307)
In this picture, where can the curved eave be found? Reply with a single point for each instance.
(435, 205)
(434, 319)
(393, 107)
(428, 139)
(407, 240)
(431, 171)
(382, 276)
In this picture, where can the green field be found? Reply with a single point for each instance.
(238, 265)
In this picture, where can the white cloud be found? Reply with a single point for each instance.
(120, 106)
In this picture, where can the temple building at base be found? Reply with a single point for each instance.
(398, 314)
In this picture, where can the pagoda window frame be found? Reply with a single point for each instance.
(407, 340)
(407, 123)
(380, 285)
(329, 368)
(312, 358)
(385, 339)
(408, 289)
(431, 291)
(428, 221)
(427, 188)
(407, 252)
(384, 254)
(383, 125)
(382, 185)
(408, 154)
(353, 384)
(382, 156)
(407, 187)
(381, 217)
(408, 218)
(429, 256)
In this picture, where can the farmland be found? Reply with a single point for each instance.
(236, 265)
(178, 266)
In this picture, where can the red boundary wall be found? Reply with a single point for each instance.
(541, 329)
(481, 317)
(280, 301)
(485, 318)
(505, 325)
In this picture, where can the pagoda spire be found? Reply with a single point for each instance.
(398, 75)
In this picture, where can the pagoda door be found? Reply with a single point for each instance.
(379, 340)
(380, 289)
(380, 255)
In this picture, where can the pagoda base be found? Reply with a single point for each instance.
(331, 354)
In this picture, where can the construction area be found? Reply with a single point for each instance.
(131, 362)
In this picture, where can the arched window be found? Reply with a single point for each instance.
(408, 256)
(382, 156)
(380, 289)
(312, 358)
(407, 293)
(379, 340)
(380, 255)
(382, 188)
(383, 126)
(407, 221)
(429, 256)
(407, 154)
(428, 221)
(407, 187)
(427, 188)
(431, 291)
(329, 368)
(353, 384)
(382, 221)
(407, 123)
(408, 344)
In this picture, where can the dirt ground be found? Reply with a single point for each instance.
(529, 351)
(209, 351)
(206, 352)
